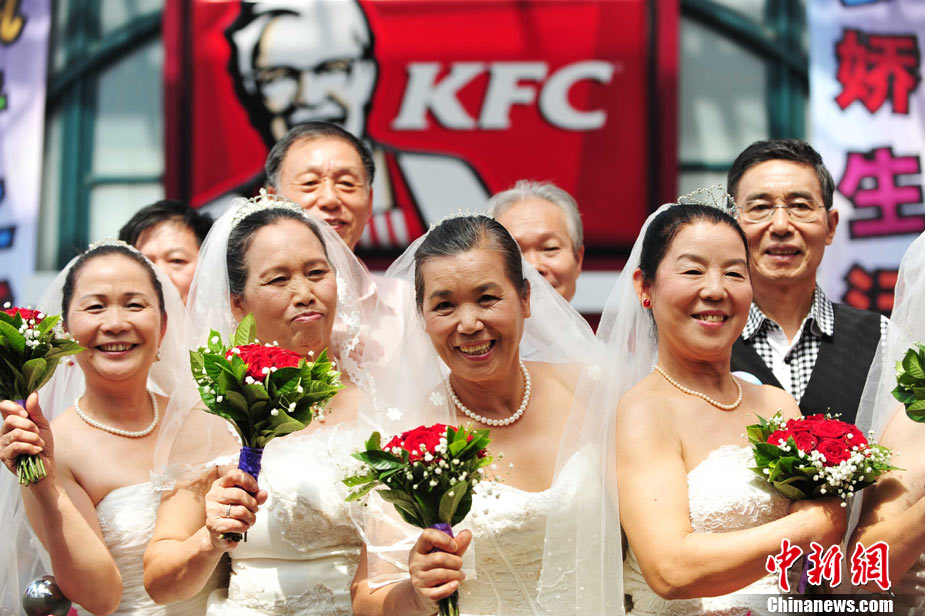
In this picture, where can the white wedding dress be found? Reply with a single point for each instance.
(127, 516)
(509, 528)
(301, 554)
(724, 495)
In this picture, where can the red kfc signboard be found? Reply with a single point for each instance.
(457, 100)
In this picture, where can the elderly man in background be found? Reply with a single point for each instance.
(795, 337)
(327, 171)
(169, 233)
(545, 221)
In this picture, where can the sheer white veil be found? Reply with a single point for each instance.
(907, 326)
(26, 558)
(191, 440)
(582, 563)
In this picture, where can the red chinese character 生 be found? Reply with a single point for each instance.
(875, 68)
(781, 562)
(871, 565)
(824, 565)
(872, 182)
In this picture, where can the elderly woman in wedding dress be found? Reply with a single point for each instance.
(305, 289)
(892, 510)
(700, 524)
(94, 512)
(491, 343)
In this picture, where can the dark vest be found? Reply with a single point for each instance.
(838, 377)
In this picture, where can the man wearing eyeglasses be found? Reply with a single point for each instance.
(795, 337)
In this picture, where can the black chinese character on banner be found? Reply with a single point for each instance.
(870, 289)
(874, 68)
(871, 182)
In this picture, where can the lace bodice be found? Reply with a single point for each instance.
(724, 495)
(302, 552)
(509, 527)
(127, 518)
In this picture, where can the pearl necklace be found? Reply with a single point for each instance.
(687, 390)
(495, 422)
(120, 431)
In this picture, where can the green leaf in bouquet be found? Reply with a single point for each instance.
(62, 348)
(238, 367)
(756, 434)
(196, 363)
(916, 411)
(788, 490)
(358, 494)
(13, 337)
(373, 442)
(919, 393)
(912, 364)
(255, 393)
(767, 449)
(762, 459)
(213, 365)
(465, 505)
(33, 372)
(47, 323)
(215, 345)
(450, 501)
(903, 394)
(407, 508)
(237, 402)
(427, 509)
(379, 460)
(285, 380)
(358, 480)
(7, 318)
(246, 331)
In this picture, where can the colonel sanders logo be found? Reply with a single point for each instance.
(297, 61)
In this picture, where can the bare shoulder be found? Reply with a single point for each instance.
(766, 400)
(642, 412)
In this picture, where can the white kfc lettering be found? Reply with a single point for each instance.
(505, 89)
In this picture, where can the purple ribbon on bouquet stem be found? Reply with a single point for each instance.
(249, 462)
(450, 605)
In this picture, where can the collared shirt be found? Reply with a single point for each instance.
(792, 362)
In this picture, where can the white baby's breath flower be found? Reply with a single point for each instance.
(274, 412)
(215, 340)
(249, 380)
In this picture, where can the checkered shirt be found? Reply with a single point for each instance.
(802, 356)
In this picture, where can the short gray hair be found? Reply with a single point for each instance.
(547, 191)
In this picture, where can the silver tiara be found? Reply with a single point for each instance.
(457, 214)
(111, 241)
(264, 200)
(711, 196)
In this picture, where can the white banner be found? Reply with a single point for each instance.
(23, 57)
(868, 122)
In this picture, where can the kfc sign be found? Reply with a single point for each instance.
(457, 100)
(423, 94)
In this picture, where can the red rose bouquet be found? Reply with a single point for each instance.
(428, 474)
(30, 348)
(264, 391)
(816, 456)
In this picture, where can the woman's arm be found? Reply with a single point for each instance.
(676, 561)
(433, 576)
(61, 514)
(893, 509)
(186, 544)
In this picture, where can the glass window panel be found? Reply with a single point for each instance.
(116, 13)
(50, 204)
(722, 99)
(112, 205)
(128, 132)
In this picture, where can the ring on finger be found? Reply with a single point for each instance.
(228, 511)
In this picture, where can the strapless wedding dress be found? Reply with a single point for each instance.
(509, 528)
(302, 552)
(910, 590)
(127, 517)
(724, 495)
